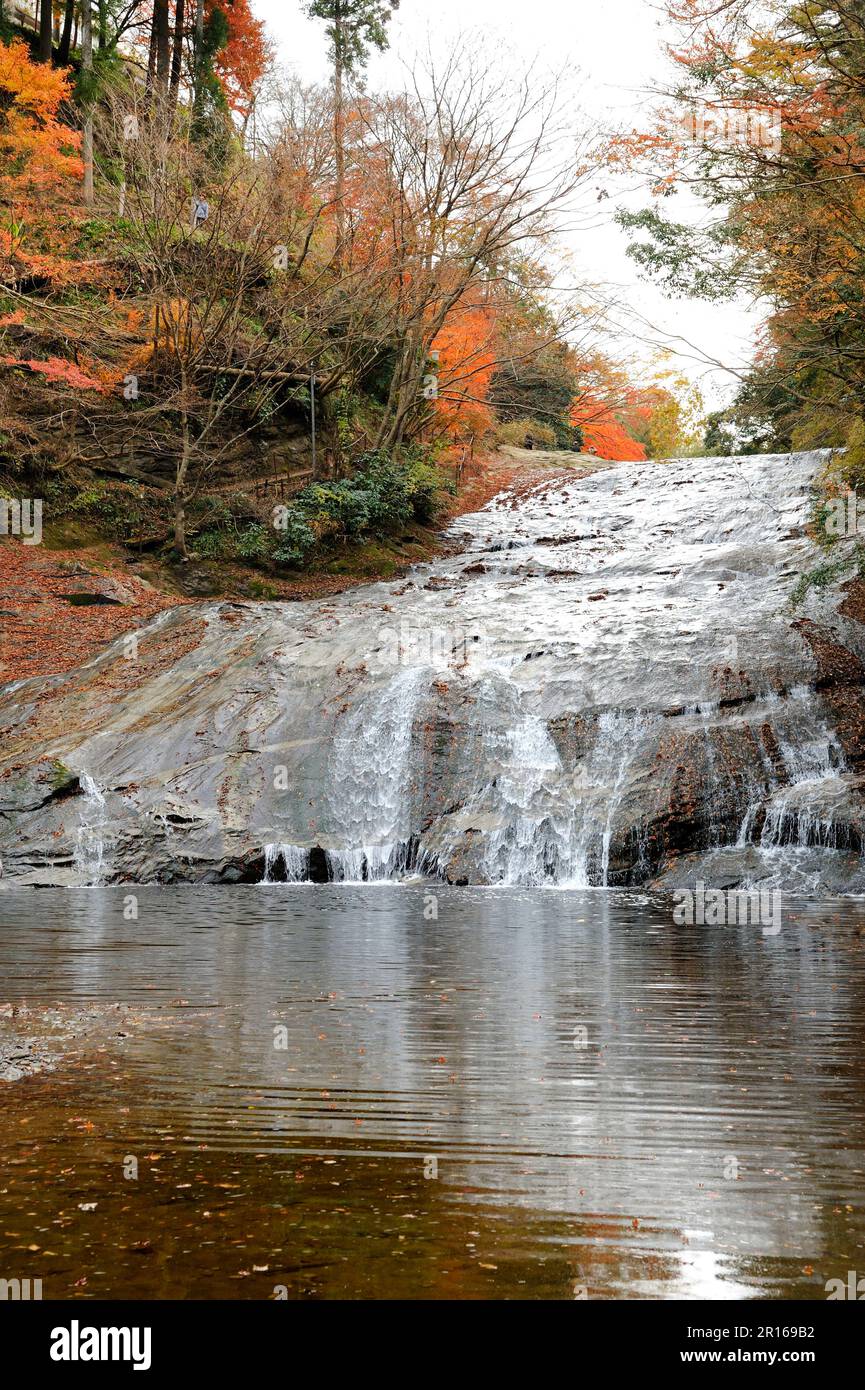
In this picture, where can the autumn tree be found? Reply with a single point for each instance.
(766, 120)
(468, 174)
(241, 310)
(37, 150)
(354, 28)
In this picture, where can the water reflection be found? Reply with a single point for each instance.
(612, 1102)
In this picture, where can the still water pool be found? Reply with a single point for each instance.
(395, 1091)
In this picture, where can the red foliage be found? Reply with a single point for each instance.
(603, 433)
(466, 364)
(36, 150)
(242, 63)
(58, 369)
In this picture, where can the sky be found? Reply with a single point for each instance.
(614, 54)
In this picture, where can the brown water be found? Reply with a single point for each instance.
(433, 1126)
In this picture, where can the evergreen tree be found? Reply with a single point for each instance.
(354, 28)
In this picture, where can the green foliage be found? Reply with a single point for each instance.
(821, 576)
(253, 543)
(211, 119)
(353, 27)
(853, 458)
(383, 495)
(376, 380)
(760, 418)
(568, 436)
(295, 541)
(685, 261)
(121, 510)
(344, 413)
(95, 234)
(541, 389)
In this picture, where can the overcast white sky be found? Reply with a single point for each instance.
(615, 49)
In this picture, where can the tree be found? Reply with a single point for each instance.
(243, 58)
(87, 96)
(603, 432)
(354, 27)
(466, 349)
(774, 140)
(161, 45)
(66, 34)
(539, 386)
(177, 48)
(46, 28)
(467, 173)
(37, 151)
(667, 415)
(239, 311)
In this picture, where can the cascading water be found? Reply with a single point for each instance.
(814, 765)
(90, 839)
(534, 816)
(285, 864)
(532, 837)
(603, 683)
(369, 782)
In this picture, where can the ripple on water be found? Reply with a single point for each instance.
(703, 1137)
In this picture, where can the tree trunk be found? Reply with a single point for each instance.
(180, 477)
(46, 28)
(197, 51)
(162, 32)
(87, 67)
(66, 35)
(339, 154)
(177, 51)
(180, 526)
(392, 394)
(405, 388)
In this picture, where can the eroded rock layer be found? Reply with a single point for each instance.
(605, 684)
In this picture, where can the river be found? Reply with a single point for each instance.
(404, 894)
(422, 1091)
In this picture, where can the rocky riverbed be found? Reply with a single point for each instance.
(42, 1037)
(605, 682)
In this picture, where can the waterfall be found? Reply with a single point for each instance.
(294, 861)
(566, 598)
(814, 764)
(601, 682)
(368, 781)
(90, 842)
(529, 844)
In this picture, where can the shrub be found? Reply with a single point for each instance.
(122, 510)
(383, 495)
(527, 434)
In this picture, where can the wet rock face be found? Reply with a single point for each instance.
(603, 683)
